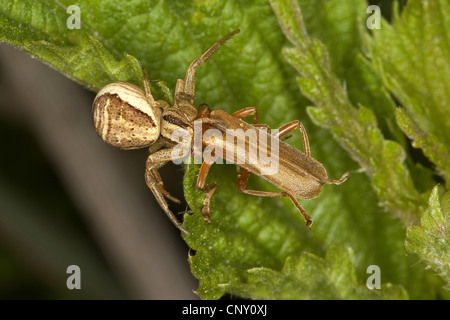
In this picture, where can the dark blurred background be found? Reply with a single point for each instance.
(67, 198)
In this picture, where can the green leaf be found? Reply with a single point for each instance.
(355, 129)
(245, 232)
(78, 53)
(431, 240)
(412, 58)
(248, 232)
(311, 277)
(433, 147)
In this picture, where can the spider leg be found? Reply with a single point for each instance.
(189, 82)
(155, 184)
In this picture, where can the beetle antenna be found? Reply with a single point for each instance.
(342, 179)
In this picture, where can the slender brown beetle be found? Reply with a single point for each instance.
(127, 117)
(298, 174)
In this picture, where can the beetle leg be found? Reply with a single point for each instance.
(243, 176)
(201, 180)
(291, 126)
(250, 111)
(155, 184)
(242, 182)
(246, 112)
(204, 169)
(302, 211)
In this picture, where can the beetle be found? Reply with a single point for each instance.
(127, 117)
(298, 174)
